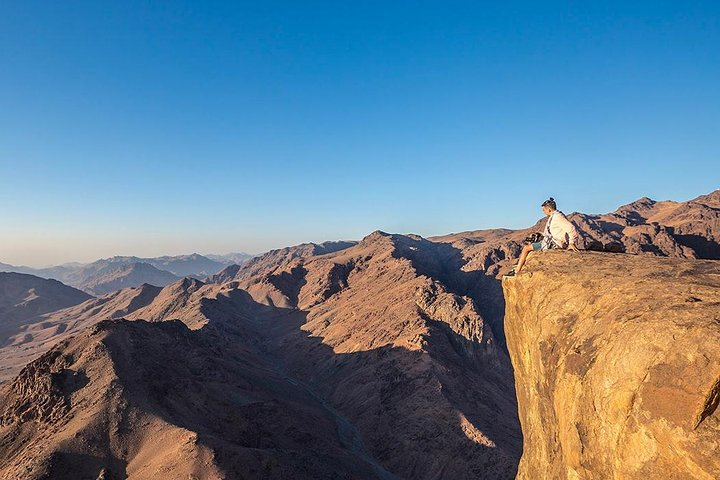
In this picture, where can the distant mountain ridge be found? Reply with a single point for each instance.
(166, 269)
(119, 275)
(237, 258)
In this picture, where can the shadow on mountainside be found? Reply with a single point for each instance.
(268, 395)
(704, 247)
(445, 262)
(83, 466)
(404, 404)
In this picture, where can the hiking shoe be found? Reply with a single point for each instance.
(511, 273)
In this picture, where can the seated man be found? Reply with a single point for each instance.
(559, 233)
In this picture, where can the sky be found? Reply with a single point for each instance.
(153, 128)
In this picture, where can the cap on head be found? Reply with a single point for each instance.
(550, 202)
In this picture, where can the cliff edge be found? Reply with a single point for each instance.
(617, 366)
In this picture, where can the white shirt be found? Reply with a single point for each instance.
(561, 230)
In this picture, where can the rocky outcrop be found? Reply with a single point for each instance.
(617, 366)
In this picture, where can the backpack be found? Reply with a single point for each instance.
(534, 237)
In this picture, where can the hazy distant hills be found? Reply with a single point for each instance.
(60, 272)
(110, 274)
(231, 258)
(122, 275)
(180, 265)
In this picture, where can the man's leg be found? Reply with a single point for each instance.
(523, 256)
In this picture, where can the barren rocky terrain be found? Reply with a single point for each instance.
(382, 358)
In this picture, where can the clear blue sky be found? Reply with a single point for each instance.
(154, 128)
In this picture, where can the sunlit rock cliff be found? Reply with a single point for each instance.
(617, 366)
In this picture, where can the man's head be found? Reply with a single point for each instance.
(549, 206)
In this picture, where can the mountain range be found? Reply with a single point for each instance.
(106, 275)
(381, 358)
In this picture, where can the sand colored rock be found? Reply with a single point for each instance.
(617, 366)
